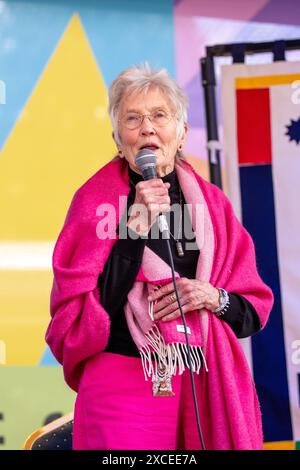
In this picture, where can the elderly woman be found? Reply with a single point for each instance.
(116, 325)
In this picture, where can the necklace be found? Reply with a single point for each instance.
(179, 247)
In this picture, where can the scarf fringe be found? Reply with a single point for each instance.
(165, 360)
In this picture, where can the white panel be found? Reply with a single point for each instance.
(26, 256)
(286, 180)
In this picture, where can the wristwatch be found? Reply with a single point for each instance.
(224, 302)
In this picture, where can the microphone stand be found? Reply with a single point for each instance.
(164, 229)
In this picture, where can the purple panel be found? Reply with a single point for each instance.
(277, 11)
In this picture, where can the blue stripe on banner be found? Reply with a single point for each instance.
(269, 361)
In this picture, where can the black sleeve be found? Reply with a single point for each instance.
(120, 272)
(241, 316)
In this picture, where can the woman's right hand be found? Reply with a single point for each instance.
(151, 198)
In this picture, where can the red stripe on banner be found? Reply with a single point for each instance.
(254, 126)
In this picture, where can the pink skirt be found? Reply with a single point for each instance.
(115, 409)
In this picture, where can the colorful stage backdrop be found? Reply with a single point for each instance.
(57, 60)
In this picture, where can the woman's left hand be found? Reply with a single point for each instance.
(193, 295)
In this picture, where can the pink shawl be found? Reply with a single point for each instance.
(79, 327)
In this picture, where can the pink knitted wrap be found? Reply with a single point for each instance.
(79, 327)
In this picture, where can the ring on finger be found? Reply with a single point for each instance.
(172, 298)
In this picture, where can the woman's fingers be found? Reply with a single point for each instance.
(175, 314)
(193, 295)
(163, 309)
(168, 289)
(152, 198)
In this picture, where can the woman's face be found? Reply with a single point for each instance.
(164, 141)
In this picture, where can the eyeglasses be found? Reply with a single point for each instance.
(134, 120)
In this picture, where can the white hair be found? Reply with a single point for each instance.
(141, 79)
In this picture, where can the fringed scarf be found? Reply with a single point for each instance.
(79, 327)
(162, 345)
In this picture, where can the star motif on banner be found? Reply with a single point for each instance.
(293, 131)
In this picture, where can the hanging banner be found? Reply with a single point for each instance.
(261, 124)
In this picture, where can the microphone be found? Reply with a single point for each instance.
(146, 161)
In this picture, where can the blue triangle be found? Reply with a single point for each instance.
(48, 359)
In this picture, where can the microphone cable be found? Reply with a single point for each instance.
(165, 236)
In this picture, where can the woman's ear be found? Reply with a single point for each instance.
(185, 132)
(118, 146)
(183, 136)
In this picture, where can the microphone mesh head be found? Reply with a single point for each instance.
(146, 161)
(145, 157)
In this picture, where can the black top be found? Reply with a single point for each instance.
(124, 262)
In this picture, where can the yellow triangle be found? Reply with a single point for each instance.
(61, 138)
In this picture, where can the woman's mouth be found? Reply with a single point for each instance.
(151, 147)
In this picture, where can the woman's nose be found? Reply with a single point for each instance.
(147, 126)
